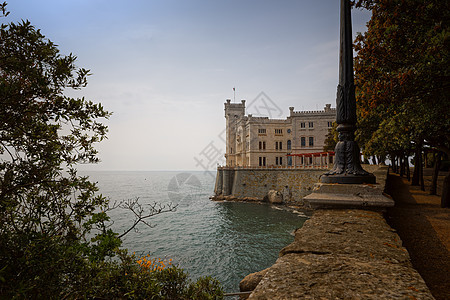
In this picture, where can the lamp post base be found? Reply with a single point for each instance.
(348, 178)
(336, 196)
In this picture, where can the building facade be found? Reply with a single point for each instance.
(263, 142)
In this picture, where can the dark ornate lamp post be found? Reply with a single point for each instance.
(347, 167)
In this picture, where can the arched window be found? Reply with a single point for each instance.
(289, 144)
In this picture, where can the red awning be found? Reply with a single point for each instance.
(313, 154)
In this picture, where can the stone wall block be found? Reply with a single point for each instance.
(343, 254)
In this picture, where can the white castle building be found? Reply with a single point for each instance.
(263, 142)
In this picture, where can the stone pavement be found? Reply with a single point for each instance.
(424, 228)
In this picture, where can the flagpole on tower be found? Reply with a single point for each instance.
(234, 94)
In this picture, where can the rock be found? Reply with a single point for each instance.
(255, 199)
(250, 281)
(287, 194)
(252, 199)
(217, 198)
(275, 197)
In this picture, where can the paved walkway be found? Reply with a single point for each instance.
(424, 228)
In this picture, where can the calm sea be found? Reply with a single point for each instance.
(224, 240)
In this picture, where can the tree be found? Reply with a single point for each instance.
(55, 241)
(403, 79)
(331, 138)
(46, 209)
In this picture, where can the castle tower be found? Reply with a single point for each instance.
(234, 113)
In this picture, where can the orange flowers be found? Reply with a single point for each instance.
(153, 264)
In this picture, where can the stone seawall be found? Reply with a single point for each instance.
(293, 184)
(341, 254)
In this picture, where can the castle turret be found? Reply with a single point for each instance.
(234, 112)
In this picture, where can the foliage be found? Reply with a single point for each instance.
(55, 241)
(331, 138)
(402, 76)
(46, 209)
(205, 288)
(130, 279)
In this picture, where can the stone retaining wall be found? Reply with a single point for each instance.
(341, 254)
(293, 184)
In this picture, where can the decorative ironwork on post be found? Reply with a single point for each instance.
(347, 167)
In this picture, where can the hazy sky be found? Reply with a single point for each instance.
(165, 67)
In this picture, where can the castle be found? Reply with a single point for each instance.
(263, 142)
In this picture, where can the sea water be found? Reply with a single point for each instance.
(225, 240)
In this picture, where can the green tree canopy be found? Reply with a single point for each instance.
(402, 75)
(46, 209)
(403, 81)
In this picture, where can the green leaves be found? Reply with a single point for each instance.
(46, 209)
(402, 76)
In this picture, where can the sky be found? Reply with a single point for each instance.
(164, 68)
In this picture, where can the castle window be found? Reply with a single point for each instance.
(303, 141)
(261, 130)
(289, 144)
(278, 145)
(278, 131)
(330, 124)
(278, 161)
(311, 124)
(302, 125)
(311, 141)
(262, 161)
(262, 145)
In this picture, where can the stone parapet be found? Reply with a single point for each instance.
(330, 195)
(343, 254)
